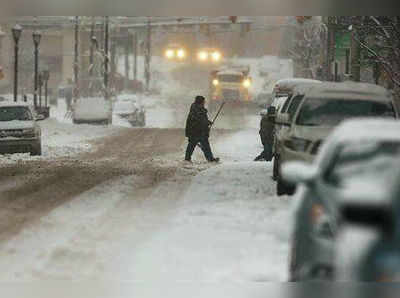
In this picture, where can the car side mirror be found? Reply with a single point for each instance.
(39, 117)
(370, 215)
(298, 172)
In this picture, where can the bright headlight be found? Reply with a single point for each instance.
(216, 56)
(181, 53)
(215, 82)
(247, 83)
(169, 54)
(203, 55)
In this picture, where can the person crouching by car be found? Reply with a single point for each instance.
(267, 126)
(198, 130)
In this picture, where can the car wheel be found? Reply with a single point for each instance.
(281, 187)
(275, 172)
(293, 261)
(37, 150)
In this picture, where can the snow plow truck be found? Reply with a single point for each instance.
(230, 85)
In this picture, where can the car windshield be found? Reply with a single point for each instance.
(230, 78)
(15, 113)
(332, 111)
(361, 161)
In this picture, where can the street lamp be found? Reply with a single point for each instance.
(40, 83)
(16, 32)
(36, 40)
(45, 77)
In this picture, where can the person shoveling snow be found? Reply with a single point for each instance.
(198, 130)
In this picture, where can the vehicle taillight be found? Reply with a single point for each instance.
(316, 213)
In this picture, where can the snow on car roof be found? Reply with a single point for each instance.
(364, 129)
(291, 83)
(230, 72)
(350, 90)
(14, 104)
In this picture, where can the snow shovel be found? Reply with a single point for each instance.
(216, 116)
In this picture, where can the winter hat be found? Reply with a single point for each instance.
(199, 99)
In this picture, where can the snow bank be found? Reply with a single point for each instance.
(63, 140)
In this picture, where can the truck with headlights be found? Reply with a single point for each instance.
(209, 55)
(230, 85)
(175, 52)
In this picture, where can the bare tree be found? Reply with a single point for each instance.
(304, 43)
(379, 37)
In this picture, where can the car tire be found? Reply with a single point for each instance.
(293, 276)
(280, 187)
(37, 150)
(283, 188)
(275, 170)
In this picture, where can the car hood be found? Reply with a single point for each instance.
(16, 124)
(312, 133)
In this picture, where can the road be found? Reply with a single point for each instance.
(124, 206)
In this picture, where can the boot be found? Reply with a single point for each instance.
(215, 159)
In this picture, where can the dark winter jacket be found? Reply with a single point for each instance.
(267, 130)
(197, 123)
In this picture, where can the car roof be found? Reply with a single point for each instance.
(291, 83)
(13, 104)
(230, 72)
(350, 90)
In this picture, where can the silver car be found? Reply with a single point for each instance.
(19, 131)
(356, 159)
(323, 108)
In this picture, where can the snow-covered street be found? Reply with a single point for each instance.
(94, 207)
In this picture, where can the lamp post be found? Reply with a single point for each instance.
(36, 40)
(106, 59)
(76, 58)
(40, 82)
(45, 77)
(16, 32)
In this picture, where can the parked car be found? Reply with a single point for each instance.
(92, 110)
(357, 159)
(323, 107)
(283, 117)
(371, 219)
(130, 108)
(19, 131)
(282, 96)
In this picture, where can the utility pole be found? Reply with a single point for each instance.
(91, 47)
(135, 49)
(106, 49)
(113, 66)
(76, 59)
(148, 56)
(126, 49)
